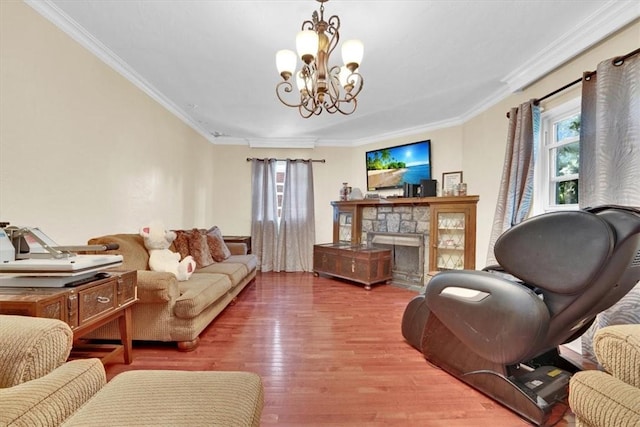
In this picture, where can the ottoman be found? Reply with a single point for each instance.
(175, 398)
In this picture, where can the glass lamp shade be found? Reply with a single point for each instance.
(307, 45)
(299, 81)
(286, 61)
(352, 52)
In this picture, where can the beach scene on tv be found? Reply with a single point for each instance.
(395, 166)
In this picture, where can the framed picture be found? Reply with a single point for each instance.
(449, 181)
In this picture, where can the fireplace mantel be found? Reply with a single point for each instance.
(411, 201)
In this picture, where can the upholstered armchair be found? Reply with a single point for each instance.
(610, 397)
(37, 385)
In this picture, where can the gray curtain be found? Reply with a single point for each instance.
(610, 160)
(610, 135)
(516, 186)
(264, 217)
(296, 235)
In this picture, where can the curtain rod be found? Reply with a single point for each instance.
(618, 60)
(282, 160)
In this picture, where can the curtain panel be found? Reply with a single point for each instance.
(516, 187)
(610, 135)
(264, 215)
(610, 161)
(296, 234)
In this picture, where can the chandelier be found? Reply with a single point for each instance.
(320, 88)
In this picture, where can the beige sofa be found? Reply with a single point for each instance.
(169, 310)
(38, 388)
(610, 397)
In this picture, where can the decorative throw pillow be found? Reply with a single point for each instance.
(199, 249)
(181, 243)
(217, 246)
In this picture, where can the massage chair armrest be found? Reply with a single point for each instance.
(617, 348)
(157, 286)
(49, 400)
(497, 318)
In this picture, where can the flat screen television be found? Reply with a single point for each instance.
(394, 166)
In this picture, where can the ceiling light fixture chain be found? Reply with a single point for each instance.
(320, 87)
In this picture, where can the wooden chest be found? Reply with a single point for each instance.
(362, 264)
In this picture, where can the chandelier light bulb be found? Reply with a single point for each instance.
(307, 45)
(286, 62)
(352, 52)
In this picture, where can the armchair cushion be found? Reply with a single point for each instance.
(31, 347)
(610, 398)
(49, 400)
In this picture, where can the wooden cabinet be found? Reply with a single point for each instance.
(360, 264)
(84, 307)
(453, 237)
(449, 223)
(346, 223)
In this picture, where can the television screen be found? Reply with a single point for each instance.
(394, 166)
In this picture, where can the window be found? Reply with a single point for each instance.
(557, 167)
(281, 171)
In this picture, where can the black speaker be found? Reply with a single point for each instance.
(428, 187)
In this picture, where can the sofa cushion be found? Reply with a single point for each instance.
(199, 249)
(199, 292)
(235, 271)
(181, 243)
(217, 246)
(131, 247)
(250, 261)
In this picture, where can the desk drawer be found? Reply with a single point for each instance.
(126, 285)
(96, 300)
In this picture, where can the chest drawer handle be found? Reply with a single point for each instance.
(104, 300)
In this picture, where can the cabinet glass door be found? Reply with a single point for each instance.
(450, 240)
(345, 220)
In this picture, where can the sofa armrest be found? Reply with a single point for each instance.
(618, 351)
(31, 347)
(598, 399)
(237, 248)
(49, 400)
(157, 286)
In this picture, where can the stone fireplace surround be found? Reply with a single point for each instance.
(404, 230)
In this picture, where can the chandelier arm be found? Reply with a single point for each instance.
(286, 87)
(333, 28)
(352, 103)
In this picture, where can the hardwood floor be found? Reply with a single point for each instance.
(331, 354)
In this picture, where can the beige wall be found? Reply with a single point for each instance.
(83, 152)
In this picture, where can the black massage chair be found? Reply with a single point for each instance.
(499, 329)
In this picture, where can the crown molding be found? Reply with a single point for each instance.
(65, 23)
(611, 17)
(282, 142)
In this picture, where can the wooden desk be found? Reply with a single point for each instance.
(84, 308)
(358, 263)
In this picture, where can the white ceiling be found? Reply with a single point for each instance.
(427, 64)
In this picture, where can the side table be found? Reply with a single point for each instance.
(84, 308)
(239, 239)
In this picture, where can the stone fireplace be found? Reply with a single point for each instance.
(405, 231)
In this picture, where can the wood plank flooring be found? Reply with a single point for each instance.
(331, 354)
